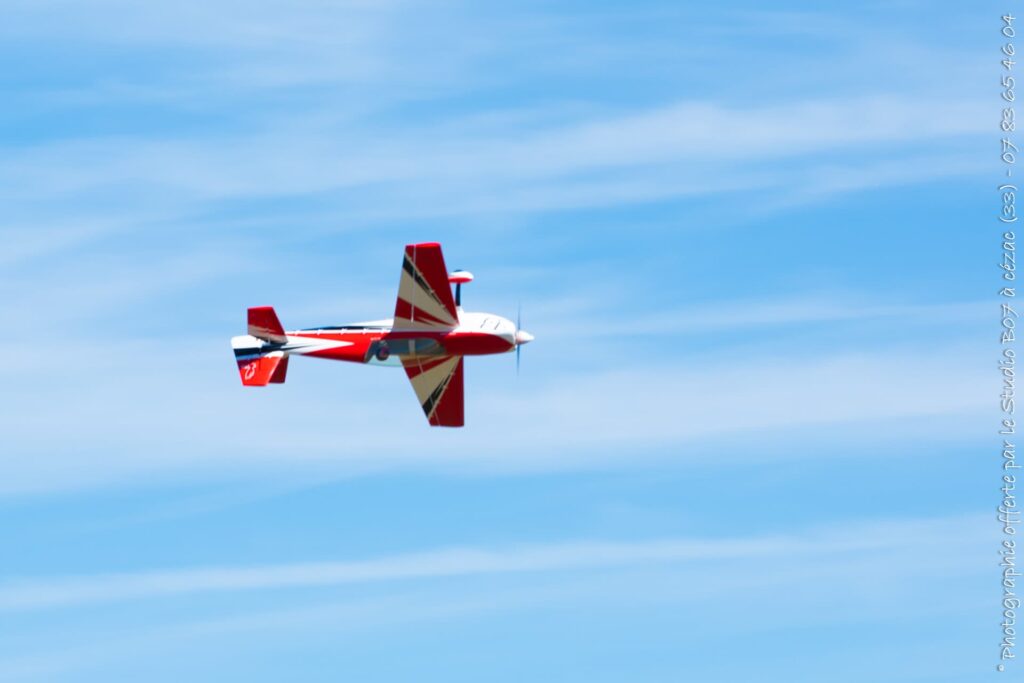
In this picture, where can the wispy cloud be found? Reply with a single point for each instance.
(863, 573)
(668, 138)
(350, 117)
(853, 542)
(582, 315)
(576, 420)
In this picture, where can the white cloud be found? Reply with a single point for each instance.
(181, 406)
(538, 154)
(669, 138)
(849, 573)
(580, 315)
(935, 539)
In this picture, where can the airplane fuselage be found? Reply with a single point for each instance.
(376, 342)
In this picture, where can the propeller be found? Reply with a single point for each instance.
(522, 336)
(519, 326)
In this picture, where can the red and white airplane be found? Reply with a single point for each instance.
(428, 336)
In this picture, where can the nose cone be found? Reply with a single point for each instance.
(523, 337)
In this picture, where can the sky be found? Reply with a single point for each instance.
(753, 440)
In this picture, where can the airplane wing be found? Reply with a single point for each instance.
(438, 385)
(424, 296)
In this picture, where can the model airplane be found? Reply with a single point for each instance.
(428, 336)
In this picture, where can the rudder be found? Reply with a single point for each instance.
(264, 369)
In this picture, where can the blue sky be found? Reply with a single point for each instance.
(755, 246)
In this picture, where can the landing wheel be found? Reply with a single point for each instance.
(383, 352)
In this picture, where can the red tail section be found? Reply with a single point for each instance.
(260, 363)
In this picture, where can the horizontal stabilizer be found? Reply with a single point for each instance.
(263, 324)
